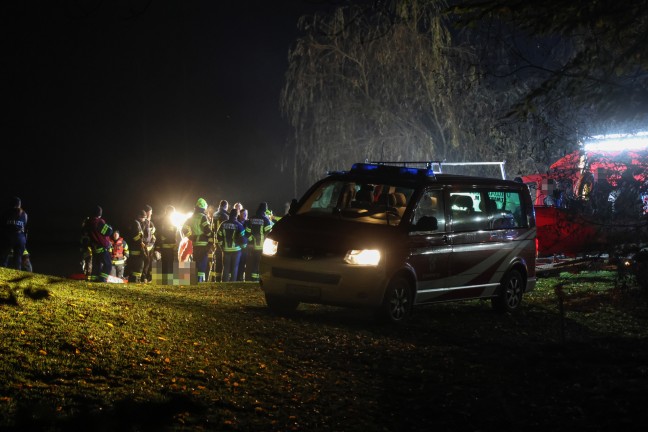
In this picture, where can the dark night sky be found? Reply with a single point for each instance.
(124, 103)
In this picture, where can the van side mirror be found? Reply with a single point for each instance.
(427, 223)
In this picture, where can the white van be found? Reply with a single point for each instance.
(392, 237)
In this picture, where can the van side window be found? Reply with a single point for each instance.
(325, 199)
(429, 206)
(467, 210)
(507, 211)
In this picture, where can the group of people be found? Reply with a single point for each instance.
(227, 243)
(224, 244)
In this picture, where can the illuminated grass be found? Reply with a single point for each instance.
(86, 356)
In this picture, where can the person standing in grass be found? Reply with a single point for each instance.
(220, 216)
(256, 230)
(14, 236)
(99, 233)
(167, 244)
(119, 254)
(137, 248)
(148, 237)
(243, 273)
(231, 239)
(198, 229)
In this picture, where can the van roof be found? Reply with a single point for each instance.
(382, 173)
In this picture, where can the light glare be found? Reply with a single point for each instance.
(369, 257)
(178, 219)
(270, 247)
(617, 142)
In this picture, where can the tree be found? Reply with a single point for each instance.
(520, 80)
(602, 62)
(387, 82)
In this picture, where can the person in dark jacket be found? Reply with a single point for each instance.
(137, 247)
(148, 237)
(256, 230)
(243, 273)
(231, 239)
(198, 229)
(99, 233)
(221, 215)
(167, 244)
(14, 236)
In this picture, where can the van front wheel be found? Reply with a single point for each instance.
(509, 297)
(398, 302)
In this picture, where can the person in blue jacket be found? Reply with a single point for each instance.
(14, 235)
(231, 238)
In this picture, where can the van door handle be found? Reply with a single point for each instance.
(446, 240)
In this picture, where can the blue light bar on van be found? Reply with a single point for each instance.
(364, 167)
(427, 172)
(367, 168)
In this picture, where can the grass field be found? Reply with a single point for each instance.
(109, 357)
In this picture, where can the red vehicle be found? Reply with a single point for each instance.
(590, 197)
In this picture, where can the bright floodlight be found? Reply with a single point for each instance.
(179, 219)
(617, 142)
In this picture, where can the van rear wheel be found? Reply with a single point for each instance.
(509, 297)
(281, 305)
(398, 303)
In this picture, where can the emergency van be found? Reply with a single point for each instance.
(390, 237)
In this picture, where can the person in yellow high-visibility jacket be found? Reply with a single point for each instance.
(198, 229)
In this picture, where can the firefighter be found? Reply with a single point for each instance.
(167, 244)
(14, 236)
(243, 273)
(99, 232)
(137, 248)
(198, 229)
(148, 237)
(231, 239)
(211, 254)
(118, 254)
(220, 216)
(256, 229)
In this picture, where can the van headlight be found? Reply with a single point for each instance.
(368, 257)
(270, 247)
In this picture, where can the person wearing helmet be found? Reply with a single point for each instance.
(198, 229)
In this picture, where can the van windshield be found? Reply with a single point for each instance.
(361, 202)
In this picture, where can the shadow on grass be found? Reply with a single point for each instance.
(8, 293)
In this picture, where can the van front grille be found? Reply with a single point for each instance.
(304, 276)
